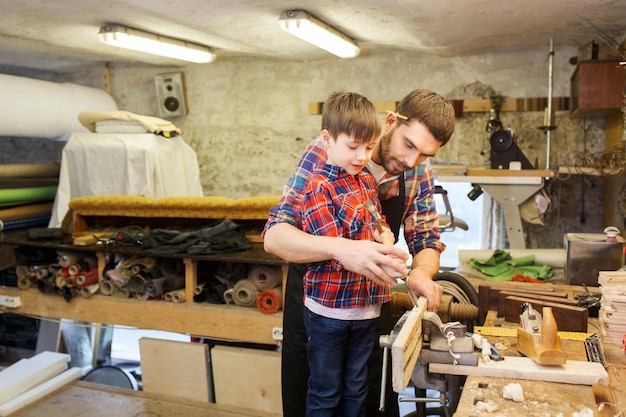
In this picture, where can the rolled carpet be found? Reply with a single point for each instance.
(265, 277)
(245, 293)
(270, 301)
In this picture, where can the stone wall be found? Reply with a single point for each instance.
(249, 118)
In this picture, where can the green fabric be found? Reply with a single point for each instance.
(19, 196)
(501, 266)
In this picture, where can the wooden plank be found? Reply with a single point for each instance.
(247, 378)
(573, 372)
(82, 398)
(406, 347)
(503, 295)
(198, 319)
(177, 369)
(39, 391)
(568, 318)
(476, 105)
(488, 293)
(30, 372)
(510, 173)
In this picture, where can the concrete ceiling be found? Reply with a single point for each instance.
(60, 35)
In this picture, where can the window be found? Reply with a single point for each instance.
(471, 212)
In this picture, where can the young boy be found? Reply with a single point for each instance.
(340, 305)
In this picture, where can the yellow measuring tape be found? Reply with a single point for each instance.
(512, 332)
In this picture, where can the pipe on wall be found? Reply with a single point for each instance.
(45, 109)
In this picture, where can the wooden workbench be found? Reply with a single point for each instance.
(95, 400)
(546, 398)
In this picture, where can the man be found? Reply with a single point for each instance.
(422, 123)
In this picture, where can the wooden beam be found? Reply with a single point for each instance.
(573, 372)
(538, 104)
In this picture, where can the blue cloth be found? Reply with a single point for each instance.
(337, 351)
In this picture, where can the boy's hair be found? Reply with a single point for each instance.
(432, 110)
(352, 114)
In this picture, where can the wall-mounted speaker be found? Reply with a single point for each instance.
(170, 89)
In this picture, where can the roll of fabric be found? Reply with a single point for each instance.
(29, 195)
(157, 286)
(270, 301)
(147, 262)
(228, 296)
(89, 290)
(87, 278)
(265, 276)
(107, 287)
(245, 293)
(24, 283)
(215, 293)
(30, 170)
(171, 267)
(177, 296)
(24, 222)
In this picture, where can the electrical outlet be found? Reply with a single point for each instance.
(15, 302)
(277, 333)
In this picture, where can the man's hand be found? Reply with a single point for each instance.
(422, 284)
(380, 263)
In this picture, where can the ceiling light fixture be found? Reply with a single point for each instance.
(306, 27)
(137, 40)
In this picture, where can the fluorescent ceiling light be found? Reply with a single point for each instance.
(138, 40)
(306, 27)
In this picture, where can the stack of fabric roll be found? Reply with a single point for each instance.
(27, 193)
(262, 288)
(144, 278)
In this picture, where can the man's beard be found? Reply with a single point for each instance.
(392, 165)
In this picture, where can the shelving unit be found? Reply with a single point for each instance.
(231, 322)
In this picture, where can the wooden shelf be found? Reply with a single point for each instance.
(218, 321)
(207, 320)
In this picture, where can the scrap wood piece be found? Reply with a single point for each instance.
(39, 391)
(488, 293)
(406, 347)
(504, 295)
(573, 372)
(28, 373)
(568, 318)
(176, 369)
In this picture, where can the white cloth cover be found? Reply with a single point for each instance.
(125, 164)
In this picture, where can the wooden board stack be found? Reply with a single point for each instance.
(28, 380)
(613, 305)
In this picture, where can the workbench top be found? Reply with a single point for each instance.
(94, 400)
(547, 398)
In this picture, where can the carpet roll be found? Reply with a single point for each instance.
(245, 293)
(265, 276)
(270, 301)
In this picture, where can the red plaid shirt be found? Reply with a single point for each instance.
(333, 206)
(420, 218)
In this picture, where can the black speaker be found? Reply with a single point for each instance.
(170, 89)
(504, 150)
